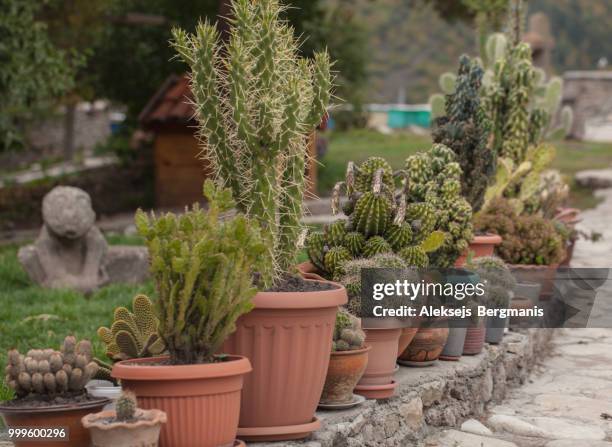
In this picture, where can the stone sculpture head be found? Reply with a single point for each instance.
(67, 212)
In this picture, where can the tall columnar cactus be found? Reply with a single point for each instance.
(257, 101)
(204, 270)
(50, 372)
(379, 220)
(465, 129)
(133, 334)
(441, 191)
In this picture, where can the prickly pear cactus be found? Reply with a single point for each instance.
(133, 334)
(50, 372)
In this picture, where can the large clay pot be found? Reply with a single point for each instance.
(405, 339)
(345, 370)
(482, 245)
(67, 416)
(202, 401)
(453, 349)
(377, 381)
(288, 339)
(474, 339)
(426, 347)
(539, 274)
(142, 432)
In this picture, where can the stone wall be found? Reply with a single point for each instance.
(589, 94)
(440, 395)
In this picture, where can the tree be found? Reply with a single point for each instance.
(33, 71)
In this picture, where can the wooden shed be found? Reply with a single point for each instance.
(179, 171)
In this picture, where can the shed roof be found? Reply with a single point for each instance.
(171, 104)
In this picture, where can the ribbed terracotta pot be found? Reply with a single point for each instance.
(483, 245)
(202, 402)
(288, 339)
(539, 274)
(143, 432)
(405, 339)
(474, 339)
(68, 416)
(345, 370)
(426, 347)
(377, 381)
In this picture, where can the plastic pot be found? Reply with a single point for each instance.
(453, 349)
(495, 329)
(288, 339)
(345, 370)
(377, 381)
(202, 402)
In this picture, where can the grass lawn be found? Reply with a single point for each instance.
(357, 145)
(33, 317)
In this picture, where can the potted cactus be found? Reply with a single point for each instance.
(531, 245)
(347, 363)
(49, 389)
(465, 129)
(499, 292)
(126, 425)
(257, 101)
(203, 268)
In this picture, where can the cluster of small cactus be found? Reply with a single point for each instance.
(464, 128)
(50, 372)
(126, 406)
(379, 221)
(433, 177)
(526, 239)
(204, 269)
(348, 335)
(498, 279)
(257, 101)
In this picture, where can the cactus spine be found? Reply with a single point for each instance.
(50, 372)
(255, 135)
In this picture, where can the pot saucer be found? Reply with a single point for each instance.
(417, 364)
(377, 391)
(284, 433)
(356, 400)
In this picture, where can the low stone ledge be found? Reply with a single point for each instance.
(441, 395)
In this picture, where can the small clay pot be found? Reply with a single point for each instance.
(453, 349)
(482, 245)
(405, 339)
(474, 339)
(377, 380)
(68, 416)
(426, 347)
(345, 370)
(144, 431)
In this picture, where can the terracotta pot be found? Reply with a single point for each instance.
(202, 401)
(474, 339)
(377, 381)
(309, 271)
(288, 339)
(144, 432)
(345, 370)
(483, 245)
(453, 349)
(540, 274)
(68, 416)
(405, 339)
(426, 347)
